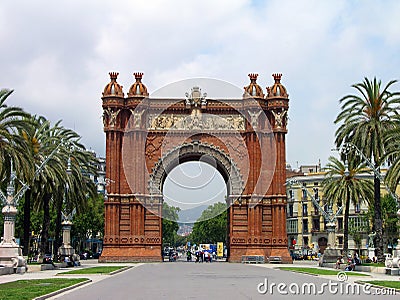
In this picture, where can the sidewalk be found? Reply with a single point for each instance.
(52, 273)
(351, 279)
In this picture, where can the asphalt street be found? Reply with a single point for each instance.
(189, 280)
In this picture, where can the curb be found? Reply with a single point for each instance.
(63, 290)
(120, 270)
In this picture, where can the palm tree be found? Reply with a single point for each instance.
(343, 184)
(76, 188)
(34, 135)
(365, 118)
(393, 155)
(49, 186)
(12, 147)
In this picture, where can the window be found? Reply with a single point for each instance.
(357, 208)
(305, 226)
(290, 212)
(340, 240)
(316, 195)
(315, 224)
(305, 241)
(315, 210)
(304, 194)
(290, 194)
(359, 222)
(304, 210)
(292, 226)
(340, 223)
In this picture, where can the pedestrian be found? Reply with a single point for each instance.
(339, 261)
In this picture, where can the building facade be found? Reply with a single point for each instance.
(306, 225)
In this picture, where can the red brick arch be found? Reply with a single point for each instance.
(146, 138)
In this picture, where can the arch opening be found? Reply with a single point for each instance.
(192, 186)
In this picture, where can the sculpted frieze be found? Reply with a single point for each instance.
(195, 121)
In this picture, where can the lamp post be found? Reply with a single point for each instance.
(330, 253)
(390, 262)
(66, 250)
(10, 252)
(348, 146)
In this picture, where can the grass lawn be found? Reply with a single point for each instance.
(29, 289)
(94, 270)
(388, 284)
(317, 271)
(382, 264)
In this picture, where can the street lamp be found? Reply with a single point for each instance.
(66, 250)
(330, 253)
(10, 252)
(395, 260)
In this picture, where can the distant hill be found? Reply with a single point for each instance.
(192, 214)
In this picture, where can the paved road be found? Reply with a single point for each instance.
(181, 280)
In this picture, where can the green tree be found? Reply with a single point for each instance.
(89, 222)
(12, 146)
(76, 188)
(365, 118)
(34, 135)
(393, 156)
(67, 164)
(356, 230)
(169, 223)
(390, 222)
(390, 219)
(211, 227)
(343, 184)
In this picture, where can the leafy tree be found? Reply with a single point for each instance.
(211, 227)
(169, 223)
(181, 240)
(341, 185)
(12, 147)
(393, 156)
(390, 220)
(34, 135)
(356, 230)
(76, 188)
(68, 163)
(88, 222)
(365, 119)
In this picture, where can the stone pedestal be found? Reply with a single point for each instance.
(66, 249)
(394, 261)
(10, 252)
(331, 254)
(371, 252)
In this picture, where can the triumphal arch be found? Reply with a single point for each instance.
(243, 137)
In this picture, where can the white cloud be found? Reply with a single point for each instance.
(57, 56)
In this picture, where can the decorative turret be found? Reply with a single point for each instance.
(138, 89)
(113, 88)
(277, 90)
(253, 90)
(113, 102)
(278, 104)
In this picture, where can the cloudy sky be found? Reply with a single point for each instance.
(56, 55)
